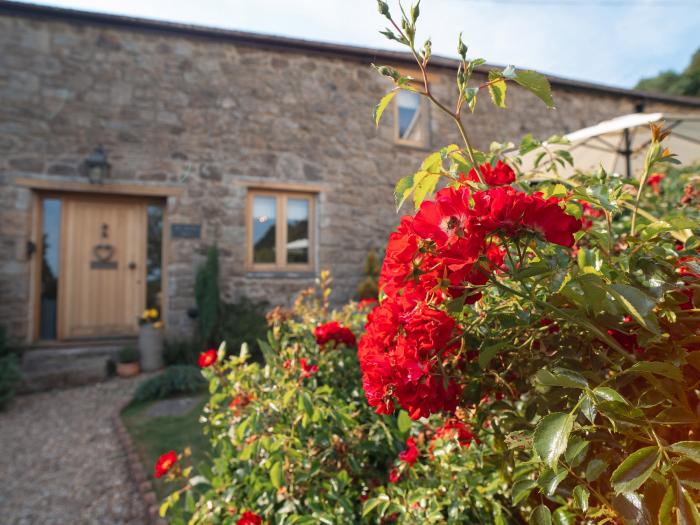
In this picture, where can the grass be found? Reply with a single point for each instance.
(154, 436)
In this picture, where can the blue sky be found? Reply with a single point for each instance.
(613, 42)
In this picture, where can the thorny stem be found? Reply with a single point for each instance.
(453, 115)
(572, 318)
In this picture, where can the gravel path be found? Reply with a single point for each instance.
(61, 462)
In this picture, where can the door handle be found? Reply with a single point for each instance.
(132, 265)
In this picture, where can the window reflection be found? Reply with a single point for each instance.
(264, 222)
(51, 242)
(154, 257)
(409, 110)
(297, 231)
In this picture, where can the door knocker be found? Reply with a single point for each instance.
(103, 252)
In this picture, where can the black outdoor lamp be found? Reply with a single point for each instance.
(96, 166)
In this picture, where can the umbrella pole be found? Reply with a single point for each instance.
(627, 152)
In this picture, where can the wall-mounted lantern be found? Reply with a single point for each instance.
(96, 167)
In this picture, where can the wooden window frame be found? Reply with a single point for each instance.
(281, 264)
(423, 120)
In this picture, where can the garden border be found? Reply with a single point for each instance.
(137, 472)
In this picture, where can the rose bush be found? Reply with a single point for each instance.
(559, 317)
(296, 442)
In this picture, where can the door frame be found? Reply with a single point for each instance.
(38, 197)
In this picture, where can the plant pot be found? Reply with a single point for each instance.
(150, 347)
(128, 369)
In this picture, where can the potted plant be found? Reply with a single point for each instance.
(151, 340)
(128, 364)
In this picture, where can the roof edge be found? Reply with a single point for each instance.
(358, 53)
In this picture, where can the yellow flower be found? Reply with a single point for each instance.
(158, 324)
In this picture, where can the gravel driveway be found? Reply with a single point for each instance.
(61, 462)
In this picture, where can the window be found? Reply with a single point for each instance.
(50, 251)
(280, 231)
(411, 119)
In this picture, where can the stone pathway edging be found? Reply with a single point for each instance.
(144, 486)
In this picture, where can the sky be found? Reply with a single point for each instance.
(613, 42)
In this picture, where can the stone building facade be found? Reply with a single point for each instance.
(198, 118)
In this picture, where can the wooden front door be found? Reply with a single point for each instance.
(103, 267)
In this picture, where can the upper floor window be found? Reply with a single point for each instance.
(280, 231)
(411, 119)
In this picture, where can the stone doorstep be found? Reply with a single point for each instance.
(143, 484)
(65, 366)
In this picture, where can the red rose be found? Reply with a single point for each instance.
(165, 463)
(207, 358)
(366, 303)
(335, 333)
(410, 455)
(654, 181)
(307, 370)
(454, 428)
(501, 175)
(249, 518)
(394, 475)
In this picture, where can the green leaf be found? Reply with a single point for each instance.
(660, 368)
(595, 468)
(277, 475)
(521, 489)
(687, 510)
(561, 377)
(676, 416)
(550, 479)
(635, 469)
(372, 503)
(489, 352)
(403, 421)
(689, 449)
(470, 97)
(576, 451)
(497, 89)
(604, 393)
(424, 185)
(403, 190)
(540, 516)
(638, 305)
(536, 84)
(562, 516)
(581, 495)
(383, 103)
(666, 507)
(552, 435)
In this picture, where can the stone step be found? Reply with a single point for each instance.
(65, 366)
(76, 372)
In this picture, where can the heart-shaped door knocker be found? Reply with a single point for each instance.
(103, 252)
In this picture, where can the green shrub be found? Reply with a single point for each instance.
(128, 354)
(368, 287)
(180, 352)
(174, 380)
(243, 322)
(206, 292)
(298, 444)
(10, 374)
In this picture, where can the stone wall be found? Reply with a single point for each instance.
(211, 115)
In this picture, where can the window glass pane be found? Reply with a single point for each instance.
(264, 221)
(409, 109)
(297, 231)
(51, 241)
(153, 257)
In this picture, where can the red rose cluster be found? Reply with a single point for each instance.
(408, 456)
(454, 428)
(448, 250)
(335, 333)
(249, 518)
